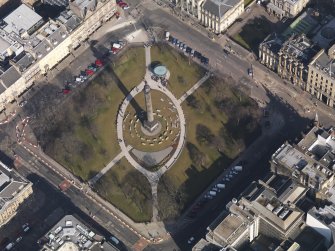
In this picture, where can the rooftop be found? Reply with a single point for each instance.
(11, 184)
(273, 42)
(300, 47)
(294, 159)
(71, 234)
(219, 7)
(326, 34)
(325, 63)
(304, 24)
(21, 20)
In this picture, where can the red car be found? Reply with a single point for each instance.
(123, 5)
(89, 72)
(66, 91)
(115, 50)
(99, 63)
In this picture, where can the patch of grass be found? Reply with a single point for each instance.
(247, 2)
(128, 190)
(192, 174)
(83, 137)
(241, 41)
(184, 72)
(253, 33)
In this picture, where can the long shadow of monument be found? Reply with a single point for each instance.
(99, 51)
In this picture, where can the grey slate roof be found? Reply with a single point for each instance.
(219, 7)
(10, 76)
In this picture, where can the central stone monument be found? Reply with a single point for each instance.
(149, 124)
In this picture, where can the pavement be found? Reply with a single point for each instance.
(286, 103)
(104, 170)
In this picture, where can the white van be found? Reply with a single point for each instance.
(9, 246)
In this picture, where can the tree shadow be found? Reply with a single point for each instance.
(291, 131)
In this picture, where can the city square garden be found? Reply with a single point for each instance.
(194, 136)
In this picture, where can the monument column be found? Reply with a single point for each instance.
(148, 103)
(149, 124)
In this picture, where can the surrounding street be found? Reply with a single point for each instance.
(284, 102)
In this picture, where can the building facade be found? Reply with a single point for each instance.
(293, 59)
(14, 190)
(217, 15)
(286, 8)
(289, 58)
(321, 76)
(268, 51)
(29, 48)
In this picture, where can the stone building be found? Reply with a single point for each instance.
(294, 57)
(268, 51)
(286, 8)
(14, 189)
(217, 15)
(265, 208)
(321, 76)
(29, 47)
(311, 162)
(289, 58)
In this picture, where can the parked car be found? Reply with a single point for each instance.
(99, 63)
(190, 240)
(25, 227)
(114, 240)
(250, 73)
(23, 103)
(79, 79)
(208, 196)
(89, 72)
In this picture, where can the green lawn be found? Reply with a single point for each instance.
(184, 72)
(84, 138)
(247, 2)
(188, 178)
(253, 33)
(128, 190)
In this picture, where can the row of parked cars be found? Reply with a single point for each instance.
(25, 229)
(221, 185)
(188, 50)
(83, 76)
(214, 191)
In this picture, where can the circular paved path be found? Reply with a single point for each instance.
(153, 177)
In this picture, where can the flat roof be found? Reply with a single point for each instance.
(230, 225)
(21, 19)
(324, 62)
(4, 45)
